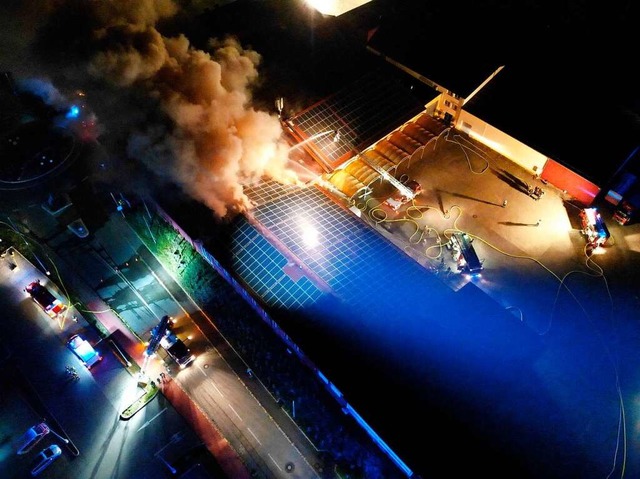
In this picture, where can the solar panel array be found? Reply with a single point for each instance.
(342, 251)
(354, 260)
(261, 266)
(267, 190)
(363, 112)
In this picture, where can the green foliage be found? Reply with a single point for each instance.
(177, 256)
(10, 238)
(150, 391)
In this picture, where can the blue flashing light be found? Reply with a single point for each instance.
(73, 112)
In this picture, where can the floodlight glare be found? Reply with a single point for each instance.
(310, 236)
(335, 7)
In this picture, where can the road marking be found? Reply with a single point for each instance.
(235, 412)
(202, 371)
(216, 387)
(149, 421)
(254, 436)
(274, 461)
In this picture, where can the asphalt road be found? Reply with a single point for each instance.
(86, 411)
(128, 278)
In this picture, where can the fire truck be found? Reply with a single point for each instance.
(465, 254)
(45, 299)
(161, 335)
(179, 351)
(593, 227)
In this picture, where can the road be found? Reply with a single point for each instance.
(86, 412)
(128, 278)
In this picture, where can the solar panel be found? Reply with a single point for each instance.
(267, 191)
(353, 259)
(363, 112)
(263, 268)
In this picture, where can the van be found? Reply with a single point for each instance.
(32, 437)
(45, 299)
(84, 351)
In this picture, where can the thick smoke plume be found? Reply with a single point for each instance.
(203, 134)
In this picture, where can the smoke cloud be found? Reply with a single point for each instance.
(185, 113)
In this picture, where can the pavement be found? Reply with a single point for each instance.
(125, 326)
(582, 308)
(129, 347)
(82, 411)
(254, 387)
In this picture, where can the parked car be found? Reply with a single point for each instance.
(45, 299)
(32, 437)
(45, 458)
(84, 351)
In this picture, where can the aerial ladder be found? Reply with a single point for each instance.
(157, 333)
(401, 187)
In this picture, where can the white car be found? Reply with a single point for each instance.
(32, 437)
(45, 458)
(84, 351)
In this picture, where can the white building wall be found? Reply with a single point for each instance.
(500, 142)
(430, 107)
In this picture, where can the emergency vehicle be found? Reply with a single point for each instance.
(593, 227)
(45, 299)
(179, 351)
(465, 254)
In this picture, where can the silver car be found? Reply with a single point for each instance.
(45, 458)
(32, 437)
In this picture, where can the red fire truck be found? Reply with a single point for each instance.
(45, 299)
